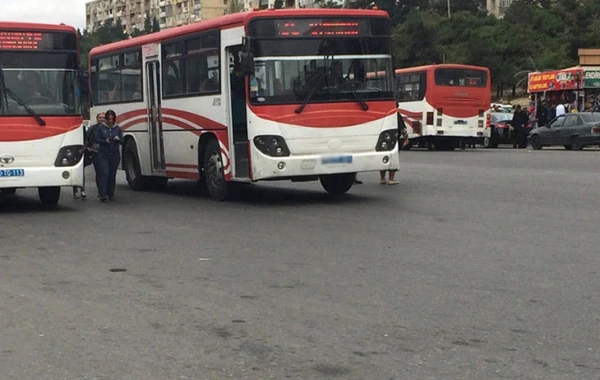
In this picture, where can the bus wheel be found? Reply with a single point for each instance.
(337, 184)
(214, 173)
(133, 173)
(8, 191)
(49, 196)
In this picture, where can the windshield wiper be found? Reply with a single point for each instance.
(363, 104)
(24, 105)
(311, 93)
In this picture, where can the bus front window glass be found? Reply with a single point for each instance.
(47, 92)
(286, 72)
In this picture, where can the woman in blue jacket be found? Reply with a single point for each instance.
(109, 138)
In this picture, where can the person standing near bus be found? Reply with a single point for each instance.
(109, 137)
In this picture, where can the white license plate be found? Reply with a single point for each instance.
(460, 122)
(336, 160)
(12, 173)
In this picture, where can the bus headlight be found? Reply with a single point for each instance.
(69, 155)
(273, 146)
(387, 140)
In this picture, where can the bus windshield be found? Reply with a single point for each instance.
(286, 71)
(460, 78)
(43, 82)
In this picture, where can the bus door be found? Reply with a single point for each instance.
(155, 128)
(238, 120)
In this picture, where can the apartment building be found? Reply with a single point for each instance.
(498, 7)
(169, 13)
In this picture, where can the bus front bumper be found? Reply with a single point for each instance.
(71, 176)
(264, 167)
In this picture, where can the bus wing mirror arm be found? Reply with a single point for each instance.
(247, 63)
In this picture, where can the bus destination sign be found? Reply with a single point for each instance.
(20, 40)
(299, 28)
(318, 28)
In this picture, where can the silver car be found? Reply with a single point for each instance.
(574, 131)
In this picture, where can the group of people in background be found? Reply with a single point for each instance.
(102, 149)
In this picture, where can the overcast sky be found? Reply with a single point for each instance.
(71, 12)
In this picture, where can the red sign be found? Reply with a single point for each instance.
(555, 80)
(20, 40)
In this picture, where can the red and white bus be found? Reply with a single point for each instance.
(41, 131)
(443, 105)
(253, 96)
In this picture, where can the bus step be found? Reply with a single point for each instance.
(242, 169)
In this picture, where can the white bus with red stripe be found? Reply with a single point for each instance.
(282, 116)
(443, 105)
(41, 130)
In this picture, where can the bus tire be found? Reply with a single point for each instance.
(133, 171)
(214, 173)
(337, 184)
(8, 191)
(49, 196)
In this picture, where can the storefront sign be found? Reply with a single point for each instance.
(554, 80)
(591, 79)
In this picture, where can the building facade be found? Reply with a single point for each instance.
(169, 13)
(498, 7)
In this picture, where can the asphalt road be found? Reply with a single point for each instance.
(481, 264)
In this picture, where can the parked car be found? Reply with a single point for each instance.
(573, 131)
(501, 131)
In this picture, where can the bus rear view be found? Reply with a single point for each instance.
(445, 106)
(41, 132)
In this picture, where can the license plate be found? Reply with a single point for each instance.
(460, 122)
(336, 160)
(12, 173)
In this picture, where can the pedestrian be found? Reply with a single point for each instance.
(519, 121)
(109, 138)
(542, 114)
(403, 142)
(90, 149)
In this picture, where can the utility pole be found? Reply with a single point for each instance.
(448, 8)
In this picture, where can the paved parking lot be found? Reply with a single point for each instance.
(481, 264)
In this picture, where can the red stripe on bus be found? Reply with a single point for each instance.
(179, 174)
(16, 129)
(404, 112)
(326, 115)
(182, 166)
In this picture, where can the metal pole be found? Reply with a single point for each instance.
(448, 8)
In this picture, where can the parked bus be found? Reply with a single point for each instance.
(264, 95)
(41, 131)
(443, 105)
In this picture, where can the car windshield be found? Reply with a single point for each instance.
(500, 117)
(287, 72)
(591, 117)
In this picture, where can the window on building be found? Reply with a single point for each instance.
(505, 3)
(191, 67)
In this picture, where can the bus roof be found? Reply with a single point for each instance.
(30, 26)
(440, 66)
(232, 20)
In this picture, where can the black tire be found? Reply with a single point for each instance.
(214, 174)
(536, 142)
(568, 147)
(133, 171)
(8, 191)
(49, 196)
(576, 143)
(337, 184)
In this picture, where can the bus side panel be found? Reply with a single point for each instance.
(415, 118)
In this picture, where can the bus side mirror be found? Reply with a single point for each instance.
(247, 63)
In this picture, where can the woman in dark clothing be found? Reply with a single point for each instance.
(109, 138)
